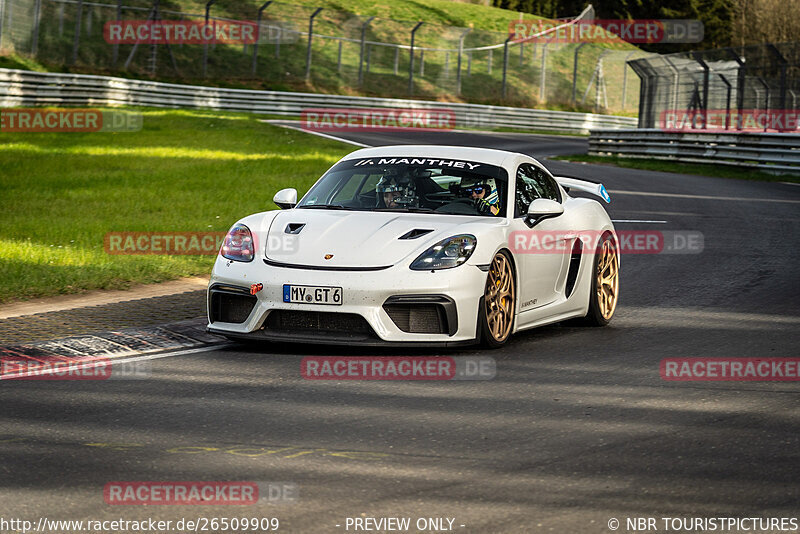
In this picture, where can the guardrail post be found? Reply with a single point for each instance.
(458, 65)
(505, 63)
(205, 46)
(261, 9)
(411, 59)
(310, 37)
(361, 51)
(575, 73)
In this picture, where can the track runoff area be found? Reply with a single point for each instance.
(572, 429)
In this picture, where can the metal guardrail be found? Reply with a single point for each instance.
(28, 88)
(771, 152)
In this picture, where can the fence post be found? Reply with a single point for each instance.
(625, 78)
(505, 63)
(575, 73)
(76, 42)
(396, 58)
(339, 58)
(542, 82)
(310, 36)
(458, 65)
(2, 18)
(205, 46)
(411, 60)
(727, 101)
(37, 15)
(740, 82)
(154, 46)
(422, 62)
(361, 51)
(489, 62)
(784, 64)
(261, 9)
(706, 74)
(115, 51)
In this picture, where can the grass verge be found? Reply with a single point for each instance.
(60, 193)
(702, 169)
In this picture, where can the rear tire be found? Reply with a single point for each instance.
(497, 307)
(604, 286)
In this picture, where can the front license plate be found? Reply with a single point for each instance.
(312, 294)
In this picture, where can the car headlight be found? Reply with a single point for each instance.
(238, 244)
(446, 254)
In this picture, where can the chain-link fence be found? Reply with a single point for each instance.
(301, 47)
(735, 84)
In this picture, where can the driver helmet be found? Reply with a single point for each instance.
(485, 189)
(392, 182)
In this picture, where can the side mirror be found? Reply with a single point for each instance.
(542, 208)
(286, 198)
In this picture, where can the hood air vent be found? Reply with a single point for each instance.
(415, 233)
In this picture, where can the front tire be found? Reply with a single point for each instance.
(498, 305)
(604, 289)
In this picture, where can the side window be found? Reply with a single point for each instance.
(533, 183)
(549, 186)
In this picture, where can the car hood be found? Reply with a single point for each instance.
(359, 239)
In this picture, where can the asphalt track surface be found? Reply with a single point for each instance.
(577, 428)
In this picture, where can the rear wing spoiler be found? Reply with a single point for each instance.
(597, 190)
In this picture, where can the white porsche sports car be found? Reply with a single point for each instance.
(426, 245)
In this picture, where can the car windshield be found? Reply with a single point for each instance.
(424, 185)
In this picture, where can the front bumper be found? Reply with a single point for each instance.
(391, 306)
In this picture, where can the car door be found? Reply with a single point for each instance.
(542, 266)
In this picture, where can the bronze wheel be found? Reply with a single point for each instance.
(499, 301)
(604, 291)
(607, 283)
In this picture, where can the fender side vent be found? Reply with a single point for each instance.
(574, 265)
(294, 228)
(415, 233)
